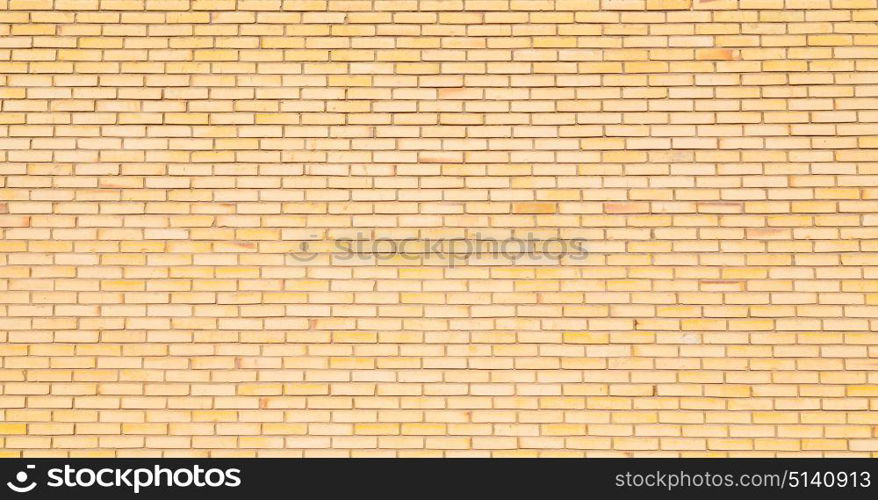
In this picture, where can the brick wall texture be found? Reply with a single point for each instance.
(163, 161)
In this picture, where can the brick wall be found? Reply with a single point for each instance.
(163, 162)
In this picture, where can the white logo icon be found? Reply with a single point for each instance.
(21, 477)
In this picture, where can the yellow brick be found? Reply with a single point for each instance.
(182, 183)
